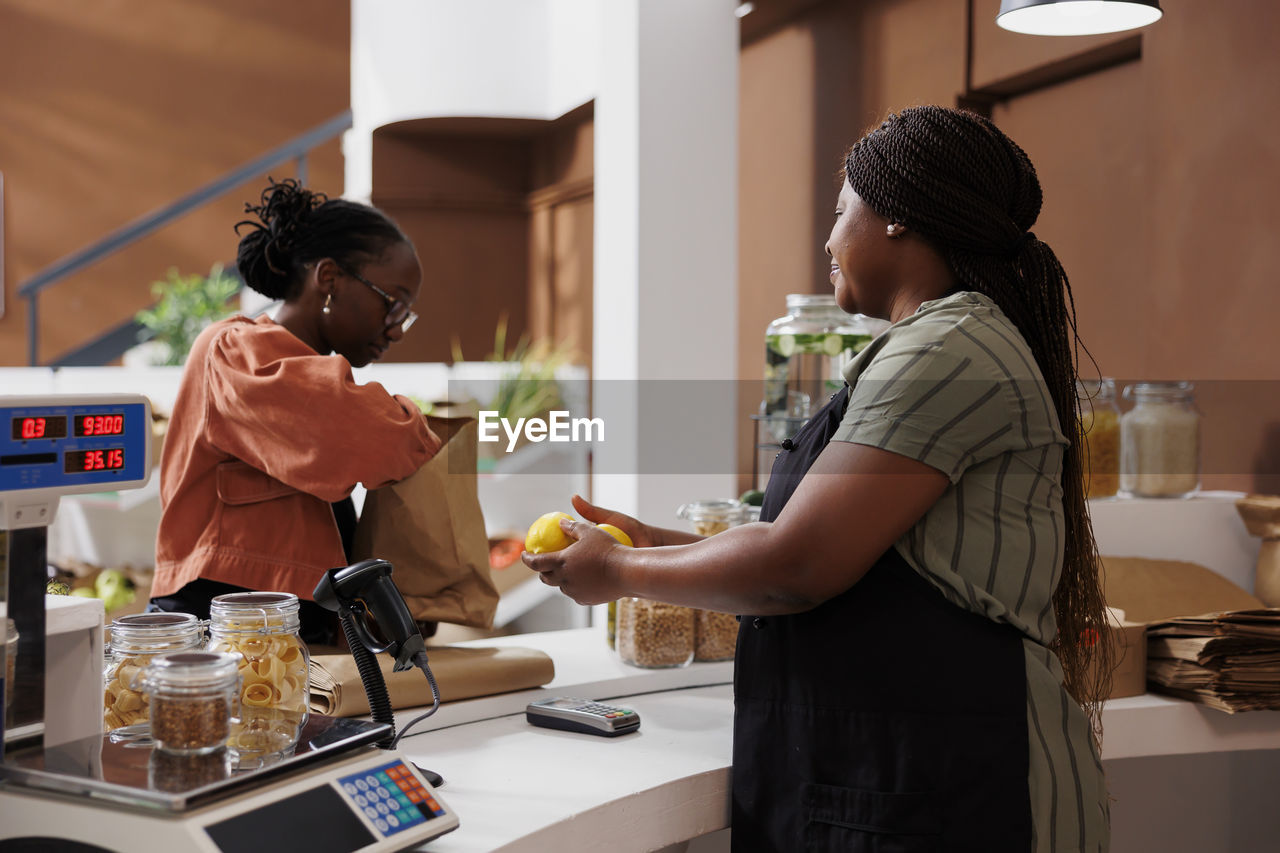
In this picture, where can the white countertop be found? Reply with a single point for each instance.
(521, 788)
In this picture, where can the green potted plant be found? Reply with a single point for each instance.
(187, 303)
(528, 388)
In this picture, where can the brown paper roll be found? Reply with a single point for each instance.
(460, 673)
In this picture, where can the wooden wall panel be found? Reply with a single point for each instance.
(1095, 213)
(908, 52)
(777, 225)
(110, 110)
(461, 199)
(500, 212)
(474, 270)
(572, 245)
(1000, 55)
(1158, 178)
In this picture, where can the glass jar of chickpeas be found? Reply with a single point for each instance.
(715, 634)
(135, 641)
(654, 634)
(709, 517)
(262, 627)
(1100, 431)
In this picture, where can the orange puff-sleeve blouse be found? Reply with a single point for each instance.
(265, 435)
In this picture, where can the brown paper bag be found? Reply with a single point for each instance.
(430, 528)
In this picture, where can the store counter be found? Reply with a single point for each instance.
(521, 788)
(518, 787)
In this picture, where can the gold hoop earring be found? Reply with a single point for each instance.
(328, 299)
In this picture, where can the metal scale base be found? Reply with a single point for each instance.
(128, 796)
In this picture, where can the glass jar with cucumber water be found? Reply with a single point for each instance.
(805, 354)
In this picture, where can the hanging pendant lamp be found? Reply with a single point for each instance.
(1076, 17)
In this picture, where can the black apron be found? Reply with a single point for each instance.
(885, 719)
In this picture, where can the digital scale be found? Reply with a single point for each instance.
(335, 793)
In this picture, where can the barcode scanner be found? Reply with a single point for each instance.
(367, 601)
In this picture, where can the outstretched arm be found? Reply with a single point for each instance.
(854, 503)
(642, 535)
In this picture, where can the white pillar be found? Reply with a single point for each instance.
(665, 304)
(413, 59)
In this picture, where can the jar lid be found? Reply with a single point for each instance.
(266, 612)
(1103, 388)
(711, 510)
(811, 300)
(1160, 390)
(266, 602)
(154, 626)
(192, 669)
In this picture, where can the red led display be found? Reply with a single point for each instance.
(81, 461)
(27, 429)
(110, 424)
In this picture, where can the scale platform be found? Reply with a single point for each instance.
(334, 794)
(133, 774)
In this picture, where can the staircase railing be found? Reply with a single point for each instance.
(295, 149)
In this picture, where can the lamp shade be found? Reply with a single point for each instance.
(1076, 17)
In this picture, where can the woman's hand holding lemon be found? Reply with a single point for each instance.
(581, 572)
(545, 535)
(640, 534)
(617, 533)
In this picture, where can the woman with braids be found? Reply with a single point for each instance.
(270, 433)
(913, 665)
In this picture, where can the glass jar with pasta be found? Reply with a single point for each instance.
(1100, 430)
(262, 627)
(135, 641)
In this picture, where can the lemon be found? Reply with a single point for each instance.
(617, 533)
(545, 534)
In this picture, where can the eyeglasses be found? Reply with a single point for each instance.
(398, 313)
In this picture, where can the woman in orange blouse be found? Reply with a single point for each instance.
(270, 433)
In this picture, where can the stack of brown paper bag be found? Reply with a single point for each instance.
(460, 673)
(1208, 640)
(1229, 661)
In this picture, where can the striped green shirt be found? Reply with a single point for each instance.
(955, 386)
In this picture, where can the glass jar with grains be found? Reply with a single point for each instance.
(262, 627)
(715, 634)
(1100, 431)
(709, 517)
(193, 696)
(1160, 441)
(653, 634)
(135, 642)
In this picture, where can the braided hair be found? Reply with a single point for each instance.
(295, 227)
(971, 193)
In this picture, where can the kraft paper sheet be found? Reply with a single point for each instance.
(460, 673)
